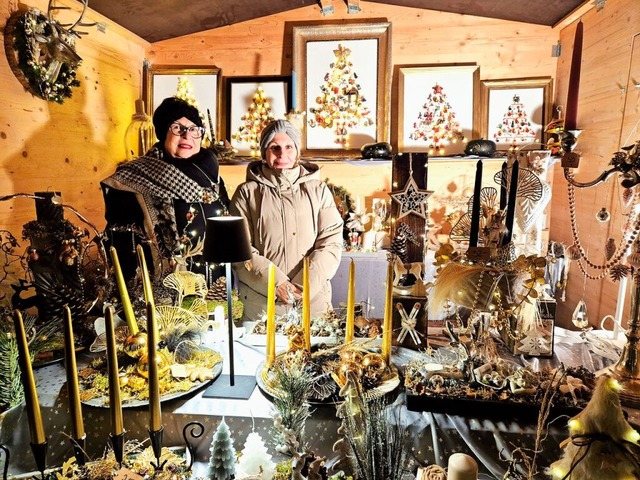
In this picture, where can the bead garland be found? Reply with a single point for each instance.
(620, 252)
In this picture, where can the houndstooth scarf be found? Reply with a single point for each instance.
(151, 176)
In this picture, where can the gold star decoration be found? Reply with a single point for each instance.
(411, 199)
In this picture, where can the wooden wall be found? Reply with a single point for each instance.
(72, 146)
(606, 60)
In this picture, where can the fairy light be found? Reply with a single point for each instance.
(558, 472)
(631, 436)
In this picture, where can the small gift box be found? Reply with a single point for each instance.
(410, 321)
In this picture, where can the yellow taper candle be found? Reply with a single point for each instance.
(351, 303)
(73, 390)
(271, 316)
(36, 428)
(146, 280)
(306, 306)
(155, 420)
(115, 403)
(387, 324)
(124, 294)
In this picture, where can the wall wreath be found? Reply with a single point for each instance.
(41, 53)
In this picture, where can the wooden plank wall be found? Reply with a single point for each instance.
(419, 37)
(72, 146)
(605, 70)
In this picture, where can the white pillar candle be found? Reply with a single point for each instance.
(462, 467)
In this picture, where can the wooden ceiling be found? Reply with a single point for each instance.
(156, 20)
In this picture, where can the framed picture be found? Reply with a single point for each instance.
(342, 81)
(198, 85)
(251, 98)
(436, 107)
(515, 111)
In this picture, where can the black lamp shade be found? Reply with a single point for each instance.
(226, 240)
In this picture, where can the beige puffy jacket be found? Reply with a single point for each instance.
(291, 214)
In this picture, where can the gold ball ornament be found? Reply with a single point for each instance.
(163, 361)
(135, 345)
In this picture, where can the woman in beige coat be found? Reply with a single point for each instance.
(291, 214)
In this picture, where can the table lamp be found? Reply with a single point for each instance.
(227, 241)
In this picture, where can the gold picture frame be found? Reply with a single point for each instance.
(161, 81)
(503, 99)
(344, 93)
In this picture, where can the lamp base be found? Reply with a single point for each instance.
(243, 387)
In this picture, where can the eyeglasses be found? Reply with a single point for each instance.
(179, 130)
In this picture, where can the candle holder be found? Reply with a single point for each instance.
(195, 430)
(117, 443)
(568, 141)
(79, 449)
(156, 444)
(40, 454)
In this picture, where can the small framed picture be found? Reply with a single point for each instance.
(253, 102)
(516, 111)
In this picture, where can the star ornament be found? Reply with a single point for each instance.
(411, 200)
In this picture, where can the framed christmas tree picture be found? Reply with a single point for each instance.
(199, 86)
(342, 78)
(436, 108)
(251, 103)
(515, 111)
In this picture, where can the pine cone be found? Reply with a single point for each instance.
(627, 196)
(573, 252)
(218, 291)
(618, 272)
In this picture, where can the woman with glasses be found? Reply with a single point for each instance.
(291, 214)
(163, 198)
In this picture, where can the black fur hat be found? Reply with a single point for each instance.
(170, 110)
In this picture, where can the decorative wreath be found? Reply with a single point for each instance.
(42, 55)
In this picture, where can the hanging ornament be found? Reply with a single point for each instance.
(411, 199)
(573, 252)
(603, 215)
(580, 317)
(610, 248)
(620, 271)
(627, 196)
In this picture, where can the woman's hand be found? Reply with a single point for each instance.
(284, 295)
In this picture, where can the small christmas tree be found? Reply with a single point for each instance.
(341, 106)
(222, 465)
(436, 124)
(255, 459)
(184, 92)
(515, 126)
(257, 117)
(602, 443)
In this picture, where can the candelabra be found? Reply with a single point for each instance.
(627, 164)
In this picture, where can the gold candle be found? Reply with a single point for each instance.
(73, 390)
(271, 315)
(306, 308)
(36, 428)
(124, 294)
(351, 303)
(146, 280)
(155, 421)
(115, 404)
(388, 316)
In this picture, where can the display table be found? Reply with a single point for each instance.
(433, 436)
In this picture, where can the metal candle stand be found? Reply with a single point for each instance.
(40, 455)
(627, 164)
(117, 443)
(79, 448)
(196, 429)
(7, 454)
(156, 445)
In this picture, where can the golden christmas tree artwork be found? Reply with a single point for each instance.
(341, 105)
(253, 122)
